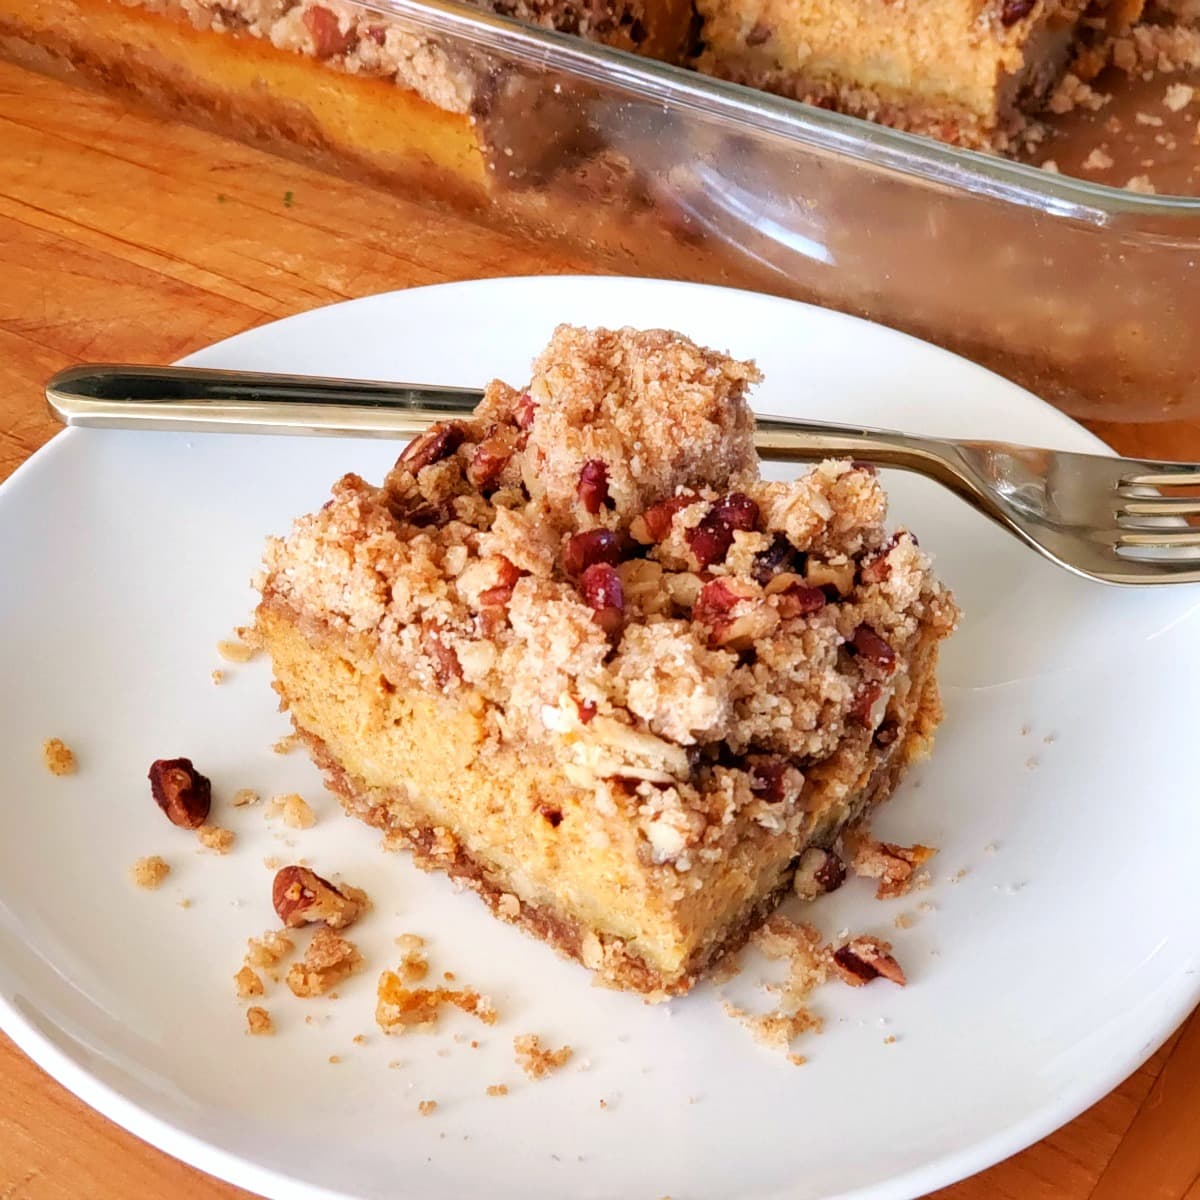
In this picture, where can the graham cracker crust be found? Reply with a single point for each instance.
(434, 848)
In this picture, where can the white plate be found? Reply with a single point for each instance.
(1063, 786)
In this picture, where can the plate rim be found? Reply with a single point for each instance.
(241, 1171)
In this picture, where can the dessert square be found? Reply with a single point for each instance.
(958, 70)
(577, 653)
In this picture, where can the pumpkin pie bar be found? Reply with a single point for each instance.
(576, 652)
(963, 71)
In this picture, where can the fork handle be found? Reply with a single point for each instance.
(201, 400)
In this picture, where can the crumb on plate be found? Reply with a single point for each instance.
(535, 1060)
(258, 1021)
(60, 758)
(149, 872)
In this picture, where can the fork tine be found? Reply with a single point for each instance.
(1164, 474)
(1161, 537)
(1168, 506)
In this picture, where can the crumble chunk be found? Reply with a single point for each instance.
(258, 1021)
(294, 810)
(327, 961)
(60, 758)
(248, 983)
(894, 866)
(149, 872)
(535, 1060)
(213, 837)
(497, 1089)
(427, 1108)
(244, 797)
(267, 952)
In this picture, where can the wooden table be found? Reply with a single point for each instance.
(123, 238)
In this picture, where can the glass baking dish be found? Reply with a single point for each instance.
(1087, 295)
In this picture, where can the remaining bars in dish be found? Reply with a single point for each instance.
(963, 71)
(576, 652)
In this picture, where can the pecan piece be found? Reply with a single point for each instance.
(446, 666)
(180, 791)
(894, 866)
(592, 488)
(862, 709)
(869, 645)
(710, 540)
(490, 457)
(655, 523)
(1011, 11)
(800, 600)
(327, 35)
(779, 556)
(601, 588)
(302, 897)
(737, 511)
(594, 546)
(819, 871)
(865, 958)
(525, 411)
(434, 444)
(715, 601)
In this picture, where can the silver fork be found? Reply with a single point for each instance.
(1116, 520)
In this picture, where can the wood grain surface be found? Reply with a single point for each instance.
(124, 238)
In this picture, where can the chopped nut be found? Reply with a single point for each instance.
(248, 983)
(432, 446)
(819, 871)
(294, 810)
(180, 791)
(865, 958)
(535, 1060)
(894, 866)
(302, 897)
(259, 1021)
(328, 960)
(149, 872)
(60, 759)
(213, 837)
